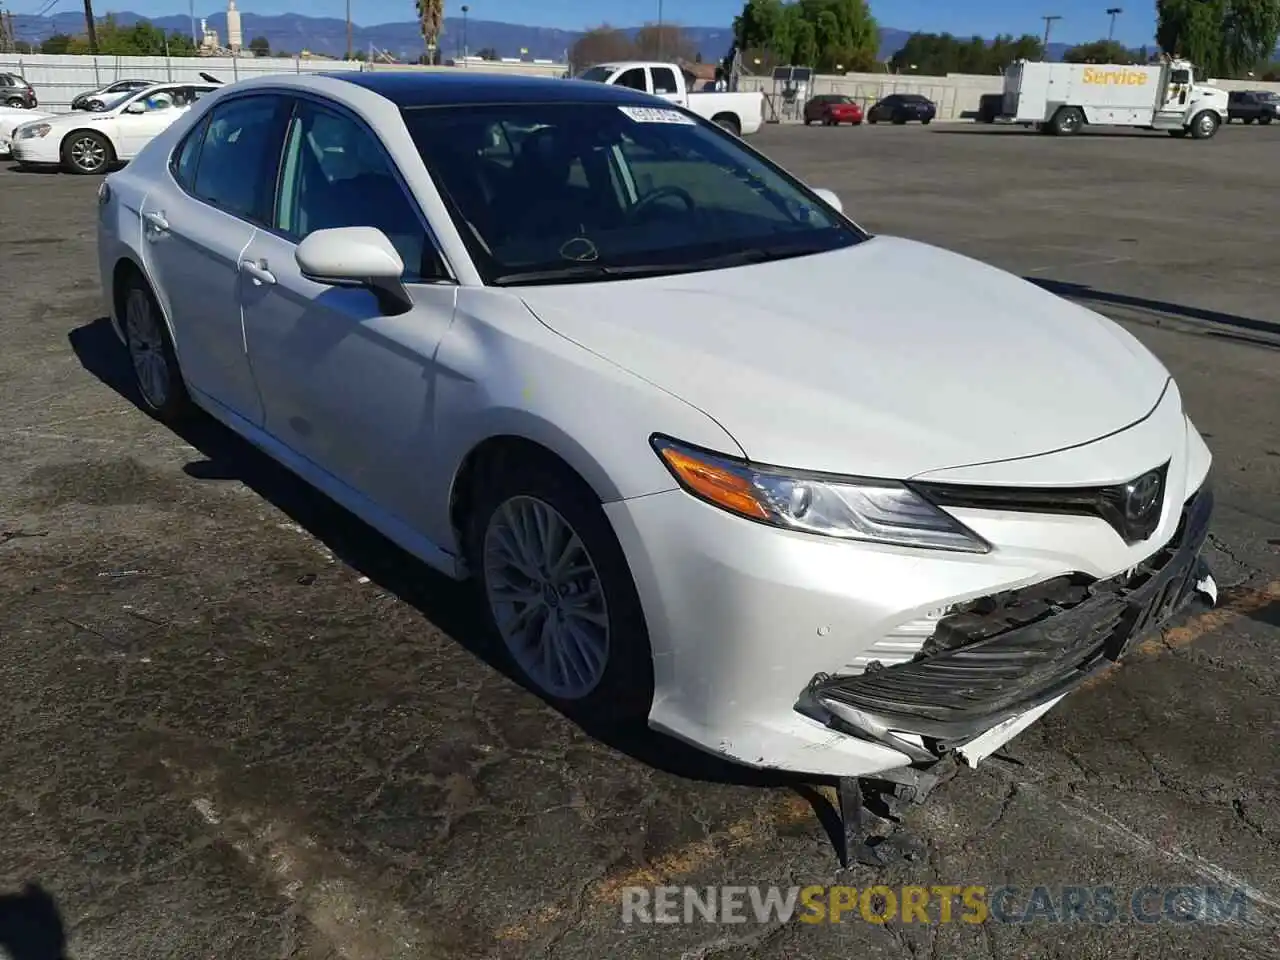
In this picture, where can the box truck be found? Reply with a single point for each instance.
(1060, 98)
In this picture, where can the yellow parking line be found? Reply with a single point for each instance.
(686, 860)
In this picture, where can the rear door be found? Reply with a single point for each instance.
(666, 84)
(197, 223)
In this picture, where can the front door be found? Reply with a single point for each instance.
(197, 226)
(343, 385)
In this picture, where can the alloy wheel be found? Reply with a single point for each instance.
(146, 348)
(88, 154)
(546, 597)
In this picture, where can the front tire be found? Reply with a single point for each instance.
(557, 590)
(155, 363)
(1265, 119)
(16, 102)
(87, 152)
(1204, 125)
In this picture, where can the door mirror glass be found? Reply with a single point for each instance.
(830, 198)
(136, 107)
(355, 257)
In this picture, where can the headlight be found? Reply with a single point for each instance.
(32, 131)
(849, 508)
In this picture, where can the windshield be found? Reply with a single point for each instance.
(596, 74)
(548, 193)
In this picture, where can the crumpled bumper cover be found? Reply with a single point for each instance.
(1006, 654)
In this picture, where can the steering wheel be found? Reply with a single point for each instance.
(662, 193)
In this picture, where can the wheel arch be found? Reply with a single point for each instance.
(111, 144)
(730, 116)
(528, 439)
(129, 267)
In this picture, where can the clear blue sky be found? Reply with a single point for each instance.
(1081, 19)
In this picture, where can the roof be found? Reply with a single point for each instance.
(411, 89)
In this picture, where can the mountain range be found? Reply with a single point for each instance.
(294, 32)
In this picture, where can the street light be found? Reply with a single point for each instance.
(1113, 12)
(465, 10)
(1048, 24)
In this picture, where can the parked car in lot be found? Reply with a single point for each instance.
(550, 362)
(903, 108)
(16, 92)
(832, 109)
(11, 117)
(740, 113)
(1252, 106)
(99, 98)
(89, 143)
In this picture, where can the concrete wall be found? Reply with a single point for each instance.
(956, 94)
(57, 79)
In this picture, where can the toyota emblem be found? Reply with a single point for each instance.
(1141, 497)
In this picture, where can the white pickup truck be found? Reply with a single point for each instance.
(742, 114)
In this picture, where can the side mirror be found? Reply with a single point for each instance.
(136, 107)
(829, 198)
(356, 257)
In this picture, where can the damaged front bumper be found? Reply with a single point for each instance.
(996, 665)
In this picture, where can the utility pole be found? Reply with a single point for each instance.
(350, 52)
(1113, 12)
(659, 29)
(1048, 25)
(465, 10)
(191, 11)
(91, 27)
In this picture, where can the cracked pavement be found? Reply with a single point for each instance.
(237, 723)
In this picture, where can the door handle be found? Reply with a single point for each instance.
(156, 221)
(258, 270)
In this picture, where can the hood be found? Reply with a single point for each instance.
(888, 359)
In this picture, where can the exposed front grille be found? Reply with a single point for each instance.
(1110, 503)
(1001, 655)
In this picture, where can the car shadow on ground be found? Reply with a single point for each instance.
(31, 926)
(1082, 291)
(451, 606)
(1012, 130)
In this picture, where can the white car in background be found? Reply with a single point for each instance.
(11, 117)
(87, 143)
(601, 355)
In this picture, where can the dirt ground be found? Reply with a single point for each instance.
(237, 723)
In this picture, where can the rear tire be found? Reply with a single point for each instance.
(1067, 121)
(574, 631)
(727, 121)
(156, 372)
(927, 120)
(1249, 120)
(1264, 120)
(16, 102)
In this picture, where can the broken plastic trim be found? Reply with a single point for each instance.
(1004, 659)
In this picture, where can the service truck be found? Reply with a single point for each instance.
(742, 114)
(1060, 98)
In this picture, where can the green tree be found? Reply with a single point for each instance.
(938, 54)
(1103, 51)
(1221, 37)
(56, 44)
(825, 34)
(260, 47)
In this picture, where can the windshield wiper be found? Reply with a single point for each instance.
(599, 271)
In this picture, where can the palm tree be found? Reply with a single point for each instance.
(431, 19)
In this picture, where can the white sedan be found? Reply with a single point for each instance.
(578, 344)
(90, 143)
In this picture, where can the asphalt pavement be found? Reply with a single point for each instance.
(237, 723)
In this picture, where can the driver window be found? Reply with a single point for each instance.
(633, 78)
(335, 174)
